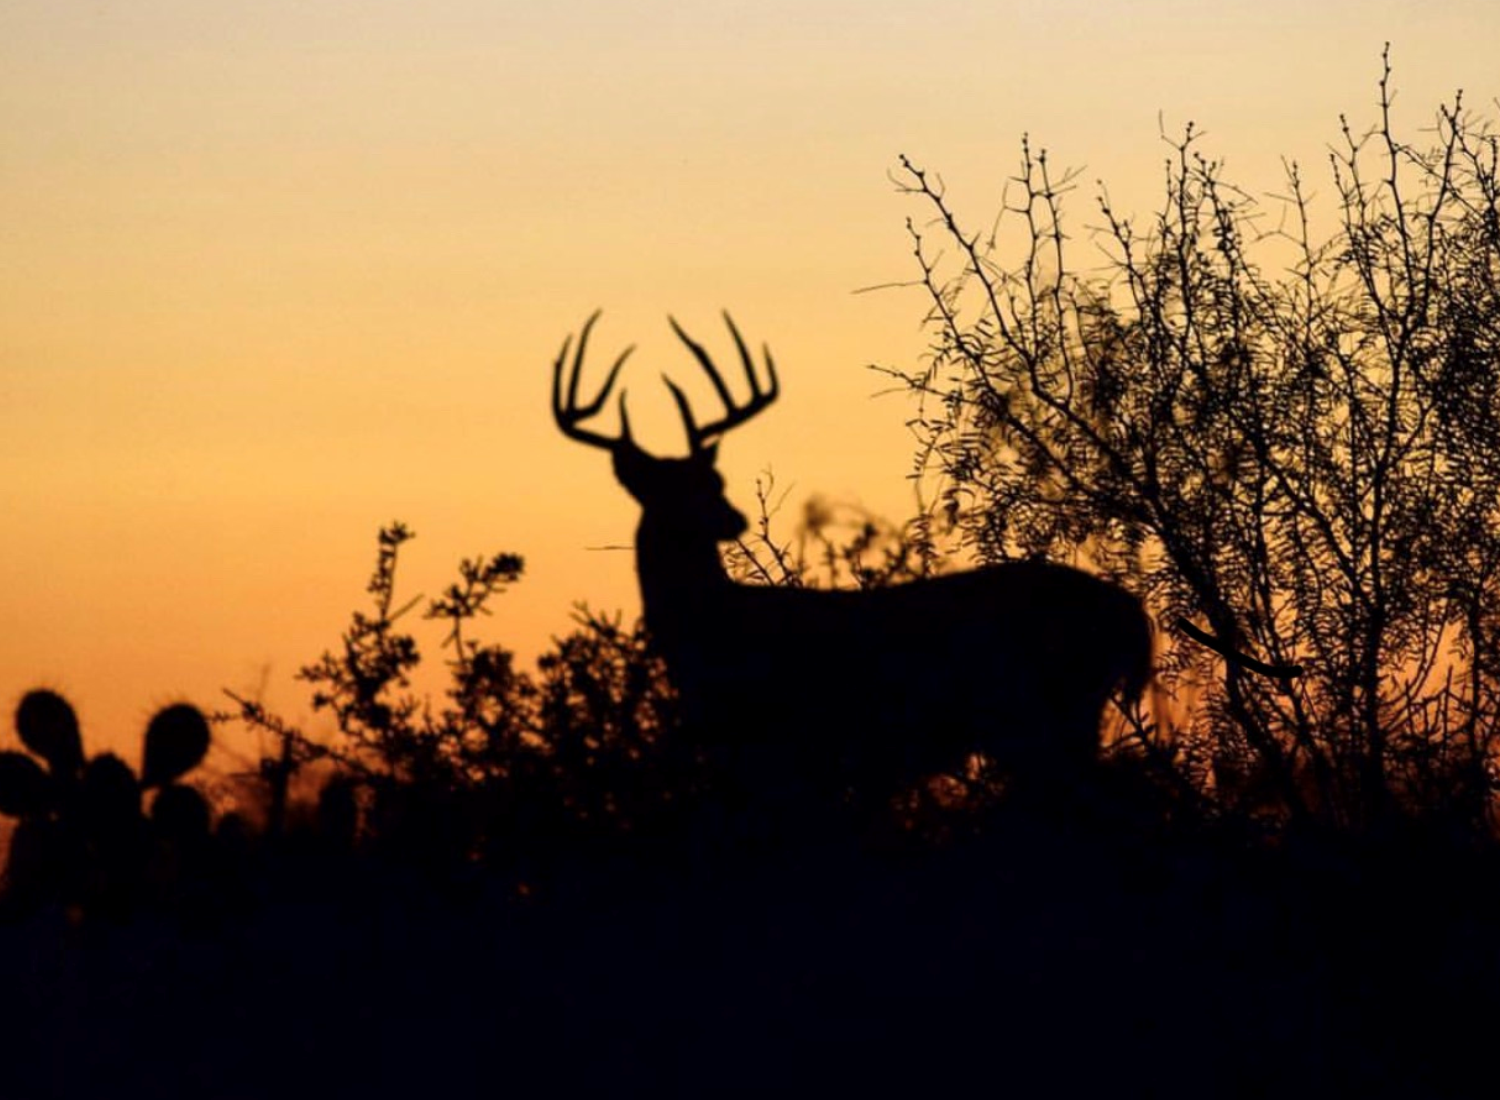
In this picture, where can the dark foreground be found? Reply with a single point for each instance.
(1038, 961)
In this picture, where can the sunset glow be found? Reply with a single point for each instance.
(277, 273)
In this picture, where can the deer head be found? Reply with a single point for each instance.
(683, 496)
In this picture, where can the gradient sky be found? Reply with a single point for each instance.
(276, 273)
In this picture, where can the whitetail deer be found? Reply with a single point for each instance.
(869, 689)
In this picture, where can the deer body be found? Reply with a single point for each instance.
(873, 689)
(891, 685)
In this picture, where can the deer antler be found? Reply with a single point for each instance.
(569, 413)
(735, 415)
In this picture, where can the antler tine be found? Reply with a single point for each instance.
(735, 414)
(570, 413)
(705, 362)
(694, 438)
(755, 391)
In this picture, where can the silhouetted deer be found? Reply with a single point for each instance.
(872, 689)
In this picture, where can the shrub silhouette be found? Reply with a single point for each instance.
(430, 773)
(1209, 421)
(82, 837)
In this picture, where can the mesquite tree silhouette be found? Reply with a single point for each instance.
(1291, 438)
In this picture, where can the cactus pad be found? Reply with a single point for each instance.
(25, 788)
(49, 728)
(176, 741)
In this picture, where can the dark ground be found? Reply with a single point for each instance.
(1040, 960)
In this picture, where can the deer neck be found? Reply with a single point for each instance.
(679, 572)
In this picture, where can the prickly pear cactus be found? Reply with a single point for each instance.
(49, 728)
(25, 789)
(181, 813)
(82, 835)
(176, 742)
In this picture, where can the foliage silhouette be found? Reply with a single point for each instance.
(1309, 461)
(518, 770)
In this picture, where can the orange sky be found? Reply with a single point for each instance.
(277, 273)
